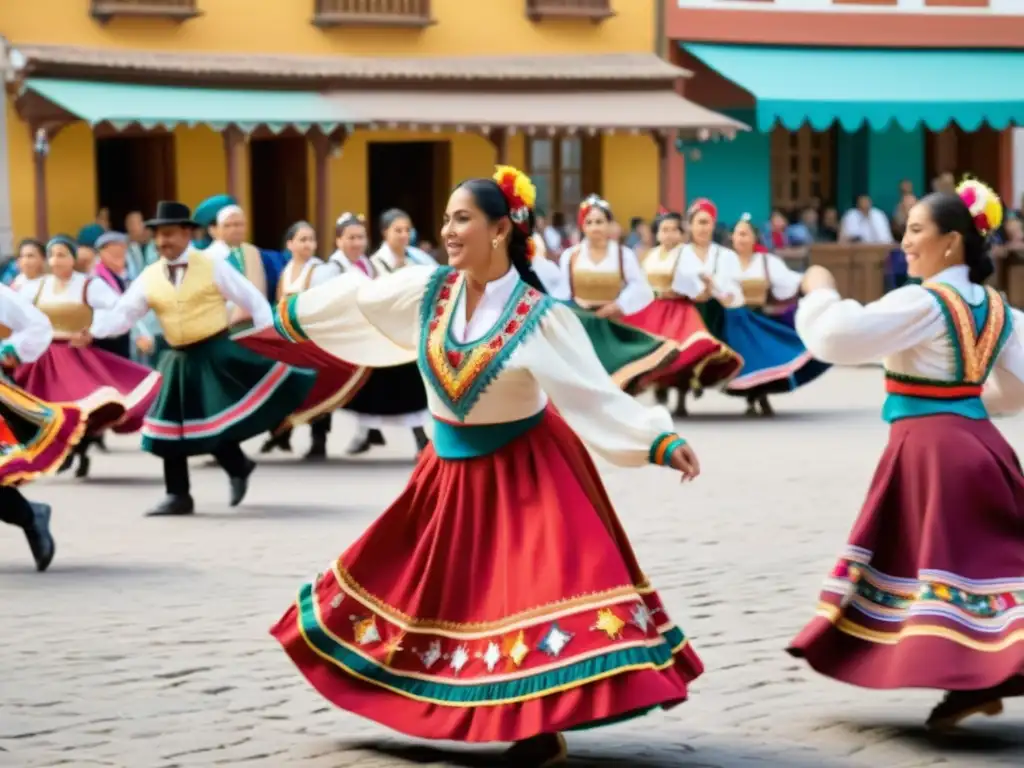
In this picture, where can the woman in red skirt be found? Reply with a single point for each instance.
(703, 361)
(498, 598)
(929, 591)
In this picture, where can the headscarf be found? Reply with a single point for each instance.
(703, 205)
(205, 215)
(64, 240)
(89, 234)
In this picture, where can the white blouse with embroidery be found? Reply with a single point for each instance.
(378, 323)
(692, 268)
(906, 331)
(635, 295)
(30, 330)
(785, 282)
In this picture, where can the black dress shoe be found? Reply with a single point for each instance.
(317, 452)
(39, 539)
(173, 506)
(376, 437)
(361, 443)
(422, 441)
(66, 464)
(240, 485)
(281, 442)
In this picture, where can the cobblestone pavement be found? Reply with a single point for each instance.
(146, 645)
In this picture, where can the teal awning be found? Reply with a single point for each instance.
(163, 106)
(854, 86)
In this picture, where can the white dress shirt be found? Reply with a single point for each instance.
(132, 306)
(907, 331)
(31, 332)
(871, 228)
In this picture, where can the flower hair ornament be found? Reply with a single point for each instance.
(350, 218)
(521, 195)
(984, 204)
(592, 202)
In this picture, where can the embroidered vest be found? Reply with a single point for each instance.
(590, 288)
(69, 316)
(978, 334)
(459, 373)
(191, 312)
(660, 268)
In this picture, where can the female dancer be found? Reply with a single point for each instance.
(928, 591)
(604, 282)
(486, 647)
(775, 360)
(704, 361)
(35, 437)
(769, 286)
(31, 265)
(113, 392)
(335, 385)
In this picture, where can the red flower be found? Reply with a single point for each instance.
(445, 293)
(439, 311)
(452, 278)
(433, 325)
(512, 327)
(497, 342)
(523, 308)
(454, 358)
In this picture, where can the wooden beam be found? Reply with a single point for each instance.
(500, 139)
(324, 147)
(233, 141)
(41, 135)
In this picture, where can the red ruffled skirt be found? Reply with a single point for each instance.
(113, 392)
(337, 381)
(929, 592)
(703, 361)
(498, 598)
(35, 437)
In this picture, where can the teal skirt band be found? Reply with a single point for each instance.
(468, 441)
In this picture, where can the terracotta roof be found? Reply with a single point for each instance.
(613, 67)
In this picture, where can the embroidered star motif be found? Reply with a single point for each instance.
(641, 617)
(459, 659)
(516, 648)
(492, 656)
(365, 629)
(337, 600)
(394, 646)
(555, 641)
(609, 623)
(431, 656)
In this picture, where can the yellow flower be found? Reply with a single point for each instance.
(941, 592)
(523, 186)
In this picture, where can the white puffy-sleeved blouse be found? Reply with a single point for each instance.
(764, 277)
(691, 269)
(616, 278)
(500, 366)
(25, 332)
(948, 332)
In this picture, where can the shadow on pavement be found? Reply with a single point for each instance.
(97, 571)
(122, 481)
(290, 512)
(780, 417)
(978, 736)
(368, 463)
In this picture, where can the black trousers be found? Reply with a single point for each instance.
(230, 457)
(14, 508)
(320, 427)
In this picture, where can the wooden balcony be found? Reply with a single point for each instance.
(175, 10)
(588, 10)
(413, 14)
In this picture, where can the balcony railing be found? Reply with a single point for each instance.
(372, 13)
(590, 10)
(179, 10)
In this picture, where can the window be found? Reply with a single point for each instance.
(802, 167)
(564, 170)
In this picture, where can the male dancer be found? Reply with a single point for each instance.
(216, 393)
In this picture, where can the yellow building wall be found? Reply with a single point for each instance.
(630, 163)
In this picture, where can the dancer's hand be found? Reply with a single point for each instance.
(611, 311)
(145, 344)
(685, 461)
(81, 339)
(817, 277)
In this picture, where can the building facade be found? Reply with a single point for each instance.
(850, 96)
(309, 108)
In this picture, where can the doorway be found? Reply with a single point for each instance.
(134, 173)
(278, 188)
(415, 176)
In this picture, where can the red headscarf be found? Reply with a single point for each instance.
(702, 204)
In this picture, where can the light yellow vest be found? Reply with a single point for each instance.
(193, 311)
(660, 267)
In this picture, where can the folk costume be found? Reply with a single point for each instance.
(111, 390)
(627, 354)
(390, 631)
(704, 361)
(548, 272)
(216, 394)
(35, 436)
(336, 383)
(928, 591)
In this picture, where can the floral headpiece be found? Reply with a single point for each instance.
(521, 195)
(592, 202)
(702, 204)
(985, 206)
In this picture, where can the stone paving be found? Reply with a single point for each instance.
(146, 645)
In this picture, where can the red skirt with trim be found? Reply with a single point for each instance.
(337, 381)
(929, 592)
(703, 360)
(498, 598)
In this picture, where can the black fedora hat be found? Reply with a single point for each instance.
(170, 214)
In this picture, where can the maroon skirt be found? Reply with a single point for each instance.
(929, 592)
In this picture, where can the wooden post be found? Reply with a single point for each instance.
(500, 139)
(232, 147)
(323, 147)
(41, 135)
(664, 150)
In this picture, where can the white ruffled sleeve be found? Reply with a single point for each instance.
(785, 283)
(371, 323)
(637, 293)
(31, 331)
(846, 332)
(615, 425)
(1004, 390)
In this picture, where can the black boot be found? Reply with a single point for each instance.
(422, 441)
(82, 451)
(765, 406)
(173, 506)
(240, 484)
(681, 404)
(280, 442)
(661, 395)
(101, 443)
(751, 406)
(362, 441)
(40, 541)
(541, 751)
(318, 450)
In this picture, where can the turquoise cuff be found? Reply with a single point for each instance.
(8, 351)
(663, 448)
